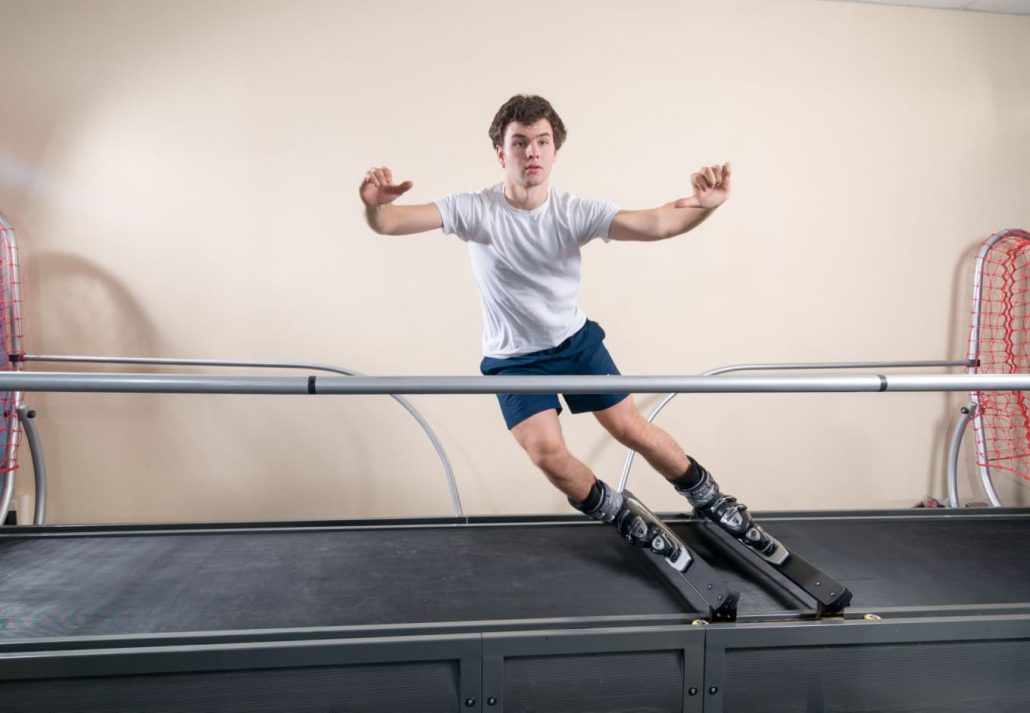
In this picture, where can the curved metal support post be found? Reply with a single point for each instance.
(38, 468)
(437, 446)
(956, 444)
(799, 366)
(970, 412)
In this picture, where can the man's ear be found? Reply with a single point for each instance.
(500, 155)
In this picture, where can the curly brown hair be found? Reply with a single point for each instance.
(526, 109)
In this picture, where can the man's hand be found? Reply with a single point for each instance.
(378, 193)
(378, 187)
(711, 188)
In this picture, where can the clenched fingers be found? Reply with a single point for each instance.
(710, 176)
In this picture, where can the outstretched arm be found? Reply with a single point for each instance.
(378, 192)
(711, 189)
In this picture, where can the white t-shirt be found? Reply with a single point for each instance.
(526, 263)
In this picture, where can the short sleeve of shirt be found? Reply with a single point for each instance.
(591, 218)
(458, 211)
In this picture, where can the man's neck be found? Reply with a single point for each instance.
(526, 198)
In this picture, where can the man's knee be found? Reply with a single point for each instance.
(542, 440)
(546, 451)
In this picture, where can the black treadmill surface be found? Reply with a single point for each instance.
(128, 582)
(222, 581)
(928, 561)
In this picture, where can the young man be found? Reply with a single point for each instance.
(524, 238)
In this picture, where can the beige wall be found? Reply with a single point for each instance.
(182, 177)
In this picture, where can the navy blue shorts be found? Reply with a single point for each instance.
(582, 354)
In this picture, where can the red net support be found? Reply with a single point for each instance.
(999, 343)
(10, 338)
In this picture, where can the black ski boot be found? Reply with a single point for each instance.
(635, 523)
(728, 513)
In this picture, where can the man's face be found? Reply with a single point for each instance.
(528, 153)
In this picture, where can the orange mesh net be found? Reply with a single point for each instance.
(999, 341)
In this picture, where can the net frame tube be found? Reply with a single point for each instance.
(974, 356)
(14, 348)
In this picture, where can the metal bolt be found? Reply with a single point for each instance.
(818, 583)
(833, 594)
(491, 701)
(692, 691)
(469, 702)
(713, 690)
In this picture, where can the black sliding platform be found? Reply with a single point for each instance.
(512, 614)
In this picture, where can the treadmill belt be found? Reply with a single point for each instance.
(222, 581)
(919, 562)
(226, 579)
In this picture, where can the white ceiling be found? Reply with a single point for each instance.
(1008, 7)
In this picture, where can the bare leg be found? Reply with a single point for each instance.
(632, 430)
(541, 437)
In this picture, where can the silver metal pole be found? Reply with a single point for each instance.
(956, 444)
(154, 383)
(658, 384)
(386, 385)
(801, 366)
(38, 468)
(452, 485)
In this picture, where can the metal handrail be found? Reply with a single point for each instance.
(312, 385)
(788, 366)
(441, 453)
(389, 385)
